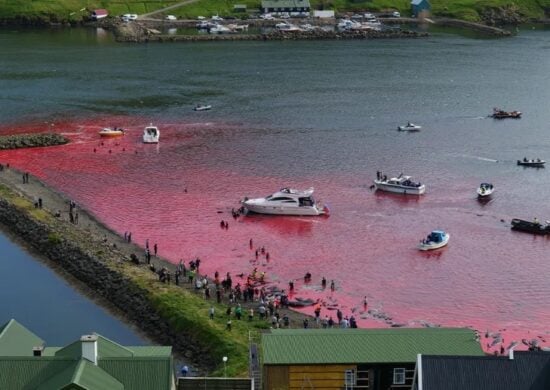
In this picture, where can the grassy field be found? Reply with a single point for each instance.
(73, 9)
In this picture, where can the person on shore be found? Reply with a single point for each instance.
(211, 312)
(330, 322)
(39, 203)
(147, 256)
(365, 303)
(207, 292)
(126, 236)
(250, 243)
(317, 312)
(71, 217)
(184, 370)
(306, 323)
(155, 248)
(129, 237)
(238, 312)
(286, 321)
(228, 311)
(76, 218)
(222, 224)
(58, 214)
(323, 283)
(228, 325)
(332, 286)
(325, 322)
(291, 286)
(147, 243)
(250, 314)
(177, 276)
(339, 315)
(267, 256)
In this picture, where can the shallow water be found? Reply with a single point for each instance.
(304, 114)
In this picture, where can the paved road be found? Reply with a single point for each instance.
(159, 11)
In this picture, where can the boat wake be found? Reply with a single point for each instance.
(479, 158)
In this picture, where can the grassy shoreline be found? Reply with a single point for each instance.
(185, 312)
(46, 11)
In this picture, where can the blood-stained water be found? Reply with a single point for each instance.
(176, 193)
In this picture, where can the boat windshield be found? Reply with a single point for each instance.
(308, 201)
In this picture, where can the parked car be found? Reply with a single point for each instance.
(267, 16)
(200, 18)
(129, 17)
(396, 14)
(217, 18)
(170, 17)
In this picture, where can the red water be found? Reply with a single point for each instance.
(488, 277)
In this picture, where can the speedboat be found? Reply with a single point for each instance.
(401, 185)
(485, 190)
(287, 201)
(537, 163)
(202, 107)
(219, 29)
(409, 127)
(501, 114)
(111, 132)
(287, 27)
(531, 227)
(151, 135)
(435, 240)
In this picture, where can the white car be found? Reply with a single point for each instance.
(200, 18)
(267, 16)
(217, 18)
(170, 17)
(396, 14)
(128, 17)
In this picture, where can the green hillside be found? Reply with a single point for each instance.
(61, 10)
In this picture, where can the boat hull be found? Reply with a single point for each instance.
(434, 245)
(399, 189)
(530, 227)
(279, 210)
(111, 133)
(484, 193)
(534, 164)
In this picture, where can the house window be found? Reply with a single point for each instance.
(350, 379)
(398, 376)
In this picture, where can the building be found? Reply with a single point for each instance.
(277, 6)
(99, 14)
(518, 371)
(93, 362)
(239, 8)
(420, 8)
(295, 359)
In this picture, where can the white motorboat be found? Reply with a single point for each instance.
(151, 135)
(202, 107)
(287, 201)
(485, 190)
(111, 132)
(287, 27)
(409, 127)
(219, 29)
(435, 240)
(400, 185)
(347, 24)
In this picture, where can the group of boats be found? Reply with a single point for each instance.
(213, 27)
(151, 134)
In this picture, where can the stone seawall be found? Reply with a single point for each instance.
(31, 140)
(95, 265)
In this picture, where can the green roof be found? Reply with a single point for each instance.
(118, 367)
(350, 346)
(16, 340)
(83, 374)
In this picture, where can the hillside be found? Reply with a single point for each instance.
(76, 10)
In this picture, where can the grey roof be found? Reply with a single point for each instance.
(527, 371)
(417, 2)
(285, 4)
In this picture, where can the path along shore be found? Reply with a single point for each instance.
(100, 262)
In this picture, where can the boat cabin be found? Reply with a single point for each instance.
(436, 236)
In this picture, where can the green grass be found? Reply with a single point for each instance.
(62, 9)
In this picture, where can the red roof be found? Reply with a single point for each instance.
(100, 12)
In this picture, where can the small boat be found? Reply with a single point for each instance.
(202, 107)
(485, 190)
(287, 27)
(501, 114)
(287, 201)
(111, 132)
(531, 227)
(151, 135)
(409, 127)
(435, 240)
(537, 163)
(400, 185)
(219, 29)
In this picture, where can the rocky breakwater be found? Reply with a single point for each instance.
(31, 140)
(318, 34)
(102, 268)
